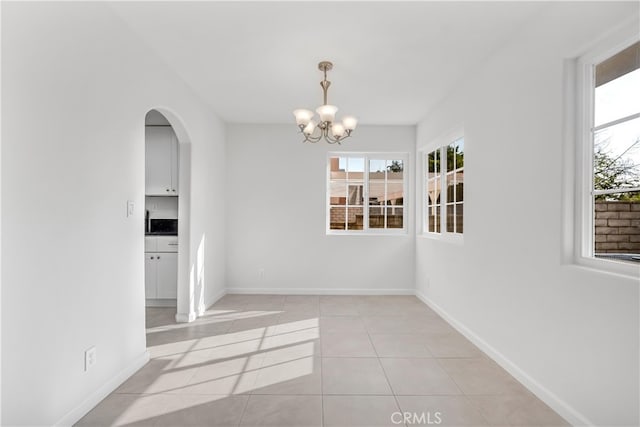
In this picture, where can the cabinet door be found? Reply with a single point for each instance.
(150, 276)
(167, 275)
(175, 163)
(158, 147)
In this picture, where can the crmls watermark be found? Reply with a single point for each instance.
(415, 418)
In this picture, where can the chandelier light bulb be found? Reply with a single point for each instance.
(327, 113)
(349, 122)
(303, 116)
(337, 130)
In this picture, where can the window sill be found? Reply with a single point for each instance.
(456, 239)
(399, 233)
(607, 266)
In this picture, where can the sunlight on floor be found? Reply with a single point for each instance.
(228, 364)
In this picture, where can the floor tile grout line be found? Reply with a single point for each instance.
(384, 372)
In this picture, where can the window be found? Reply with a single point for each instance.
(611, 141)
(366, 193)
(444, 188)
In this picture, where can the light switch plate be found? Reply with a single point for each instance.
(89, 358)
(130, 208)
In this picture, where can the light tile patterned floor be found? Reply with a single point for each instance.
(276, 360)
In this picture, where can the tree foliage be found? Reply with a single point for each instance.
(611, 172)
(396, 166)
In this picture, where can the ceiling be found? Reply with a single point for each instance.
(254, 62)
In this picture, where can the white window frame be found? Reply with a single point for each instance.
(579, 250)
(440, 144)
(405, 188)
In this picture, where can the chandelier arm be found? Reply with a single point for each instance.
(332, 140)
(311, 138)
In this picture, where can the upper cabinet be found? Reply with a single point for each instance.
(161, 158)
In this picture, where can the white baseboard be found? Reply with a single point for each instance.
(107, 388)
(160, 303)
(214, 300)
(319, 291)
(193, 315)
(186, 317)
(560, 406)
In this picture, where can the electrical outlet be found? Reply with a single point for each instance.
(261, 273)
(90, 358)
(130, 206)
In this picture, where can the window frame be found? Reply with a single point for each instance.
(581, 251)
(367, 156)
(440, 145)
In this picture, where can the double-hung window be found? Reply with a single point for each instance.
(366, 193)
(444, 188)
(609, 144)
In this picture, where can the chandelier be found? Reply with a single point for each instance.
(325, 128)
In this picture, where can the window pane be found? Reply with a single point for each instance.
(432, 217)
(616, 157)
(337, 167)
(395, 193)
(460, 153)
(451, 158)
(450, 218)
(377, 178)
(617, 98)
(460, 185)
(395, 169)
(355, 164)
(376, 192)
(451, 187)
(617, 226)
(394, 217)
(356, 194)
(355, 219)
(337, 218)
(433, 191)
(337, 192)
(431, 164)
(377, 166)
(376, 217)
(459, 218)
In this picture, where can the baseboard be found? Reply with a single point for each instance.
(318, 291)
(107, 388)
(193, 315)
(560, 406)
(160, 303)
(214, 300)
(186, 317)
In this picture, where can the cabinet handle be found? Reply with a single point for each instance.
(158, 257)
(167, 189)
(151, 257)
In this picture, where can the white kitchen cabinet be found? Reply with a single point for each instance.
(150, 276)
(167, 275)
(161, 276)
(161, 161)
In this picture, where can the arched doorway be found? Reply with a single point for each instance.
(167, 214)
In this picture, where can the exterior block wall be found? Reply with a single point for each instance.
(617, 227)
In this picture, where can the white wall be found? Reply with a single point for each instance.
(276, 217)
(570, 333)
(76, 87)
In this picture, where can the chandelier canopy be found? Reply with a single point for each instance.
(325, 127)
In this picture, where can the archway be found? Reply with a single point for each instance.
(184, 301)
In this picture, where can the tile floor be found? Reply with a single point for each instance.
(275, 360)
